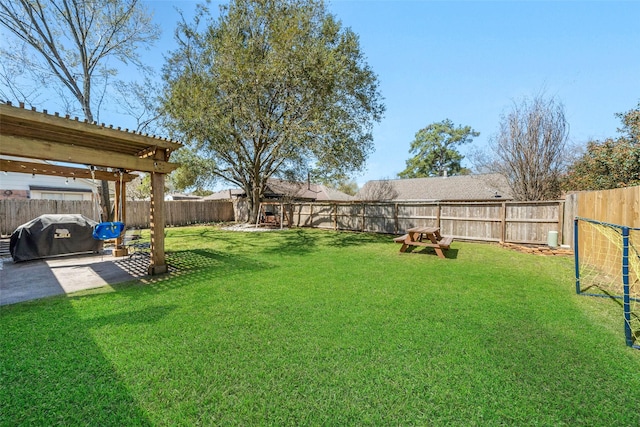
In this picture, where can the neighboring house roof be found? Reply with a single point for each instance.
(225, 194)
(462, 187)
(276, 189)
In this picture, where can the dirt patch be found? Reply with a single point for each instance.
(538, 250)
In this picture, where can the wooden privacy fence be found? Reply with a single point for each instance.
(15, 212)
(494, 221)
(516, 222)
(619, 206)
(182, 212)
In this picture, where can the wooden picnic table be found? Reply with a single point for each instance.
(425, 237)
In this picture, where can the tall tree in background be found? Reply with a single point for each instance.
(529, 149)
(349, 187)
(66, 45)
(273, 88)
(195, 172)
(611, 163)
(435, 150)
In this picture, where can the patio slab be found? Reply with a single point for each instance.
(29, 280)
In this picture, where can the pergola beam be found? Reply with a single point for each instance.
(62, 171)
(37, 149)
(20, 121)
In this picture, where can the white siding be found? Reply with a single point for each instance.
(24, 181)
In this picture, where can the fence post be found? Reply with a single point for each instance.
(335, 216)
(281, 215)
(364, 208)
(438, 214)
(503, 222)
(560, 221)
(576, 256)
(395, 218)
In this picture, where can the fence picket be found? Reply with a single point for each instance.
(15, 212)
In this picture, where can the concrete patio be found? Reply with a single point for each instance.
(29, 280)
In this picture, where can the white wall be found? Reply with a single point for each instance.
(21, 183)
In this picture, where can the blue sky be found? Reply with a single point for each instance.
(468, 61)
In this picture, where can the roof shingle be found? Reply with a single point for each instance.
(463, 187)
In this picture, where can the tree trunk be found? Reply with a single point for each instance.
(105, 197)
(105, 201)
(254, 205)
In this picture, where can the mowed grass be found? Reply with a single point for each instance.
(309, 327)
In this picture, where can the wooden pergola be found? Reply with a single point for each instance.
(31, 134)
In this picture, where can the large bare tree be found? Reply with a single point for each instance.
(67, 45)
(377, 191)
(529, 149)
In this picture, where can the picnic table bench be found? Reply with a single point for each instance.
(425, 237)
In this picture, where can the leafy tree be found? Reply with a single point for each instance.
(139, 188)
(273, 88)
(611, 163)
(529, 149)
(67, 45)
(339, 181)
(631, 124)
(195, 172)
(435, 150)
(202, 192)
(349, 187)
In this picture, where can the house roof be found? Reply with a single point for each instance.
(225, 194)
(302, 190)
(277, 188)
(462, 187)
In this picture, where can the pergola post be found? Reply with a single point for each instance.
(157, 263)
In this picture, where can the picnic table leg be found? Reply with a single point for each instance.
(404, 247)
(439, 252)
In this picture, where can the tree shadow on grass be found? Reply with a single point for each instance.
(448, 254)
(303, 241)
(350, 238)
(54, 373)
(148, 315)
(292, 242)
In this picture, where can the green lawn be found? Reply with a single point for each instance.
(309, 327)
